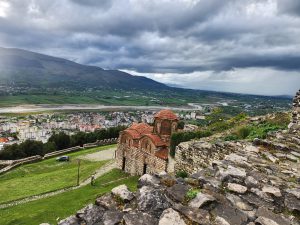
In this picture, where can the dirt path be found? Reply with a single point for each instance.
(101, 155)
(104, 169)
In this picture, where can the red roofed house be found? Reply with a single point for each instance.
(145, 149)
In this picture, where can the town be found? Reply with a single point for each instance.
(40, 127)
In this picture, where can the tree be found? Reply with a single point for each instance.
(61, 140)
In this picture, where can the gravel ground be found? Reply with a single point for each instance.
(101, 155)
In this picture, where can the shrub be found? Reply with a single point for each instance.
(232, 137)
(182, 174)
(243, 132)
(191, 194)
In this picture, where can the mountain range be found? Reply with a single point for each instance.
(21, 68)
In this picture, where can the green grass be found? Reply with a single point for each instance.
(65, 204)
(47, 175)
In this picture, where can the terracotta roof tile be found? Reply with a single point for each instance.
(166, 114)
(163, 153)
(3, 140)
(157, 141)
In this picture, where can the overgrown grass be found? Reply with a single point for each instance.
(260, 130)
(63, 205)
(45, 176)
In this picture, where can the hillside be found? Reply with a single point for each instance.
(21, 68)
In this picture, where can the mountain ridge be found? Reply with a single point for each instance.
(20, 67)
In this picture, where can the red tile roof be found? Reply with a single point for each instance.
(157, 141)
(166, 114)
(3, 140)
(136, 130)
(163, 153)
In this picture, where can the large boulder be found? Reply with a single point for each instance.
(72, 220)
(198, 216)
(112, 218)
(106, 201)
(201, 200)
(177, 192)
(171, 217)
(152, 201)
(139, 218)
(123, 193)
(90, 214)
(292, 199)
(148, 180)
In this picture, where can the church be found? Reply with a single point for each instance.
(145, 149)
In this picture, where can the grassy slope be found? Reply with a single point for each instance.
(63, 205)
(45, 176)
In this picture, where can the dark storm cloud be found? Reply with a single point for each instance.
(168, 40)
(289, 6)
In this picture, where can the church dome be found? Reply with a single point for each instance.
(166, 114)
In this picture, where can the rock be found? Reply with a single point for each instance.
(251, 182)
(264, 212)
(201, 200)
(72, 220)
(90, 214)
(261, 194)
(292, 199)
(123, 193)
(237, 159)
(238, 202)
(221, 221)
(232, 172)
(106, 201)
(251, 148)
(170, 217)
(231, 214)
(191, 181)
(178, 192)
(196, 215)
(148, 180)
(237, 188)
(112, 218)
(152, 201)
(292, 158)
(280, 155)
(296, 154)
(168, 181)
(272, 190)
(265, 221)
(270, 157)
(139, 218)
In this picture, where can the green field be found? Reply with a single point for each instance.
(63, 205)
(47, 175)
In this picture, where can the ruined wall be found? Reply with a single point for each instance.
(135, 159)
(295, 123)
(195, 155)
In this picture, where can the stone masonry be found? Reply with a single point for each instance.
(295, 123)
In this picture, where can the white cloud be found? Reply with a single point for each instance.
(264, 81)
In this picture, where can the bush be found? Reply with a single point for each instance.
(182, 174)
(243, 132)
(232, 137)
(191, 194)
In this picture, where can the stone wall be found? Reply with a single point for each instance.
(61, 152)
(16, 163)
(295, 123)
(101, 143)
(135, 159)
(192, 156)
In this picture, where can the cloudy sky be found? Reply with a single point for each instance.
(246, 46)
